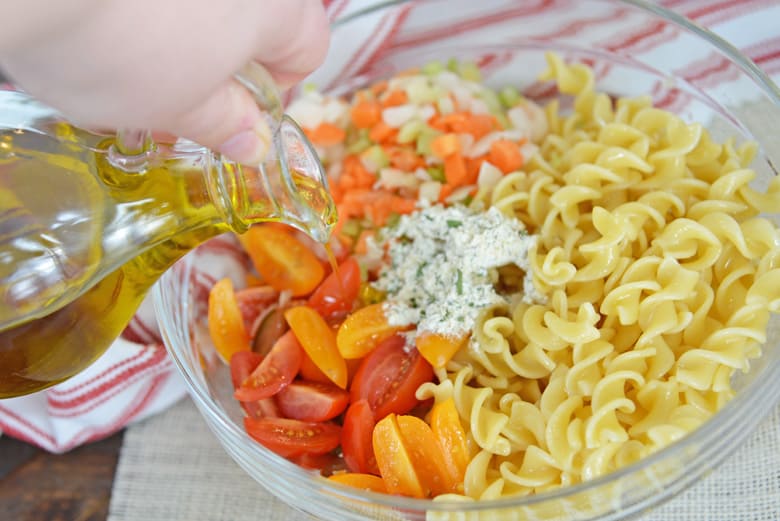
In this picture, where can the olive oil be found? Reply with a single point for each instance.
(82, 241)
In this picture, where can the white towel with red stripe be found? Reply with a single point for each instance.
(135, 378)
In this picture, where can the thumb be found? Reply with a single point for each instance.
(228, 121)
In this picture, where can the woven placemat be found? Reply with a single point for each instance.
(172, 468)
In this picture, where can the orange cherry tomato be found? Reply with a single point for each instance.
(241, 366)
(438, 349)
(312, 401)
(449, 434)
(425, 455)
(290, 438)
(282, 260)
(389, 376)
(274, 373)
(339, 291)
(309, 370)
(226, 324)
(356, 441)
(363, 330)
(319, 342)
(393, 459)
(361, 481)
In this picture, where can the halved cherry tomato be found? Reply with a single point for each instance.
(389, 377)
(319, 342)
(274, 373)
(312, 401)
(363, 330)
(438, 349)
(361, 481)
(425, 455)
(282, 260)
(309, 371)
(326, 464)
(253, 301)
(356, 441)
(291, 438)
(395, 463)
(338, 292)
(449, 434)
(241, 366)
(226, 325)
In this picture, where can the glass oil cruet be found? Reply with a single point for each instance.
(88, 223)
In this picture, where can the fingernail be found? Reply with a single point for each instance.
(248, 146)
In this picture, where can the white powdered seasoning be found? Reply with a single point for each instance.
(442, 264)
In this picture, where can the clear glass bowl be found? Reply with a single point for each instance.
(635, 48)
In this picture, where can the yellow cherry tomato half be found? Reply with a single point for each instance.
(439, 349)
(451, 437)
(361, 481)
(393, 459)
(226, 324)
(283, 261)
(317, 339)
(363, 330)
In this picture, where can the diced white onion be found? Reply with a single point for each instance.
(488, 175)
(429, 191)
(397, 116)
(395, 178)
(307, 112)
(482, 146)
(459, 194)
(530, 118)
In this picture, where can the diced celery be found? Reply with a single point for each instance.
(509, 96)
(352, 228)
(393, 219)
(410, 130)
(424, 141)
(445, 105)
(432, 68)
(453, 65)
(470, 71)
(491, 100)
(358, 141)
(437, 173)
(309, 87)
(420, 91)
(376, 157)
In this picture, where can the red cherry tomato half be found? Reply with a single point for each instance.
(338, 291)
(389, 376)
(290, 438)
(241, 366)
(356, 439)
(253, 301)
(274, 373)
(312, 401)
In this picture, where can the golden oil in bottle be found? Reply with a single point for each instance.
(81, 241)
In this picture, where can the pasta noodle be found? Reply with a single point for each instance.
(659, 274)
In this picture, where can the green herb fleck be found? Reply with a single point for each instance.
(459, 283)
(451, 223)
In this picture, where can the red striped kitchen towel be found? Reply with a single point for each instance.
(135, 378)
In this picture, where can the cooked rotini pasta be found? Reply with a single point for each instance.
(659, 274)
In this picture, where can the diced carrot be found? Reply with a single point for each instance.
(505, 155)
(455, 170)
(394, 98)
(445, 191)
(404, 158)
(382, 133)
(366, 114)
(336, 192)
(379, 87)
(445, 145)
(473, 165)
(326, 134)
(354, 174)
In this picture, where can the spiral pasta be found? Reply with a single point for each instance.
(660, 274)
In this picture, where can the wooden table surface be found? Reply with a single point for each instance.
(38, 486)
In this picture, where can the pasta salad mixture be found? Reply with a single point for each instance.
(526, 297)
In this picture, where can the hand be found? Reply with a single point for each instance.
(162, 65)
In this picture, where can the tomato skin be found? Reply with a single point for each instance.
(338, 292)
(439, 349)
(282, 260)
(317, 339)
(241, 366)
(389, 376)
(312, 401)
(356, 441)
(290, 438)
(225, 322)
(274, 373)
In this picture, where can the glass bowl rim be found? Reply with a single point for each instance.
(700, 435)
